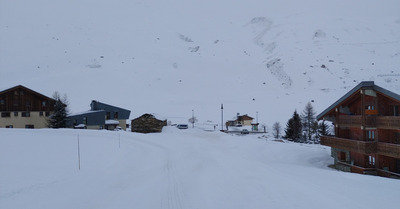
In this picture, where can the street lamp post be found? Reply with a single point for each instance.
(222, 117)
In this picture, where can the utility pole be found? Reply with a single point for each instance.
(257, 116)
(192, 118)
(222, 117)
(79, 155)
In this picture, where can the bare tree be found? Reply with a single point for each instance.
(276, 130)
(192, 120)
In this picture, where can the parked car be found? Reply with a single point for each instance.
(245, 131)
(182, 126)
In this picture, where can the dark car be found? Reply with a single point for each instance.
(182, 126)
(245, 131)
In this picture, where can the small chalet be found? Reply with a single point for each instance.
(22, 107)
(100, 116)
(367, 131)
(147, 123)
(241, 120)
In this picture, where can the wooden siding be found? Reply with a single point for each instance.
(24, 99)
(364, 147)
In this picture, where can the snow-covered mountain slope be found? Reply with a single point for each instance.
(172, 57)
(176, 169)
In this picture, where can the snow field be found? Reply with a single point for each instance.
(176, 169)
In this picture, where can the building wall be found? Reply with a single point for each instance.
(20, 122)
(122, 123)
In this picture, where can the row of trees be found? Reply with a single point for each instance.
(303, 127)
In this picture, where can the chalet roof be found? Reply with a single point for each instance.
(89, 112)
(26, 89)
(361, 85)
(245, 117)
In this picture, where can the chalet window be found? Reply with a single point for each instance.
(396, 110)
(5, 114)
(2, 102)
(85, 120)
(16, 93)
(43, 103)
(21, 93)
(370, 107)
(371, 135)
(371, 160)
(40, 113)
(16, 114)
(29, 126)
(108, 116)
(397, 138)
(116, 115)
(26, 114)
(75, 122)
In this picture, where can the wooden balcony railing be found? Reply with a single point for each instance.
(365, 147)
(388, 122)
(349, 120)
(391, 150)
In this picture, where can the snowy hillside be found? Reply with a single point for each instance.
(177, 169)
(172, 57)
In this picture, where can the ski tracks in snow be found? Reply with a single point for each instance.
(174, 194)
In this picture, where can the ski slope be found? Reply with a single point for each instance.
(177, 169)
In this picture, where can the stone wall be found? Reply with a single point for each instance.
(147, 123)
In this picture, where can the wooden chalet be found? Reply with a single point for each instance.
(241, 120)
(367, 131)
(22, 107)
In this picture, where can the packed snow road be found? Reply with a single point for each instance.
(176, 169)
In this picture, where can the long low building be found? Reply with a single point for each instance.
(100, 116)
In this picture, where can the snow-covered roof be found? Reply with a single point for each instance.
(86, 112)
(80, 126)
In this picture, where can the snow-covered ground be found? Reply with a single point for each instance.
(177, 169)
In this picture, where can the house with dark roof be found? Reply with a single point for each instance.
(21, 107)
(367, 131)
(100, 116)
(240, 120)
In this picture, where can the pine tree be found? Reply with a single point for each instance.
(293, 127)
(59, 118)
(323, 128)
(308, 119)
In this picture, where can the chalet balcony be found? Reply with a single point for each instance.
(365, 147)
(388, 122)
(356, 120)
(384, 122)
(391, 150)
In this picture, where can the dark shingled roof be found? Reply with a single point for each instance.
(355, 89)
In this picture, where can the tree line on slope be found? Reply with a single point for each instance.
(303, 128)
